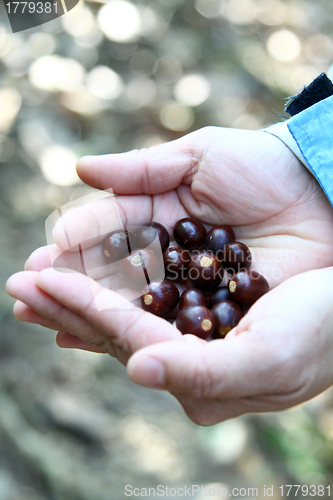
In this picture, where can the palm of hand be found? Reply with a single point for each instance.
(263, 191)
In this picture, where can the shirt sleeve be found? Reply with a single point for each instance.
(309, 134)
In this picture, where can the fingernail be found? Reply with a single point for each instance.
(148, 372)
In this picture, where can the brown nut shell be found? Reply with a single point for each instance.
(205, 271)
(176, 261)
(160, 298)
(146, 234)
(227, 314)
(247, 286)
(197, 320)
(218, 238)
(237, 257)
(189, 233)
(140, 267)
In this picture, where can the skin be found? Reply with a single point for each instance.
(280, 353)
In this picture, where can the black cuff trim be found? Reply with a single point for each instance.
(319, 89)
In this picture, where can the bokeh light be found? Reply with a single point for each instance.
(284, 45)
(319, 48)
(175, 116)
(240, 11)
(302, 76)
(120, 21)
(104, 82)
(272, 12)
(41, 44)
(55, 73)
(192, 90)
(80, 23)
(209, 8)
(82, 101)
(17, 60)
(10, 104)
(58, 164)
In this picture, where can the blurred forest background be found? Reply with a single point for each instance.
(109, 77)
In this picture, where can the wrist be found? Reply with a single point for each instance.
(282, 132)
(308, 132)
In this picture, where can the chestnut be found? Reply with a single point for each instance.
(189, 233)
(205, 271)
(146, 234)
(193, 297)
(237, 257)
(218, 238)
(140, 267)
(176, 261)
(116, 245)
(218, 295)
(198, 320)
(160, 298)
(247, 286)
(227, 315)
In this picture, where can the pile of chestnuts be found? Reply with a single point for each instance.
(201, 261)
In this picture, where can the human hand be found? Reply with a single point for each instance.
(249, 180)
(278, 356)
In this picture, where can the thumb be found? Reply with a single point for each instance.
(193, 367)
(146, 171)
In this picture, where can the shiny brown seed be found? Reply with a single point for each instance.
(205, 271)
(218, 238)
(198, 320)
(160, 298)
(227, 314)
(237, 257)
(189, 233)
(247, 286)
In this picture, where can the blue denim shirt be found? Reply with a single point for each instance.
(309, 134)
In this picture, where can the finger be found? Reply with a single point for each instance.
(125, 325)
(108, 275)
(42, 257)
(68, 341)
(25, 313)
(216, 369)
(147, 171)
(22, 287)
(89, 224)
(90, 261)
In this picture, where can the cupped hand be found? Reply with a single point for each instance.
(249, 180)
(278, 356)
